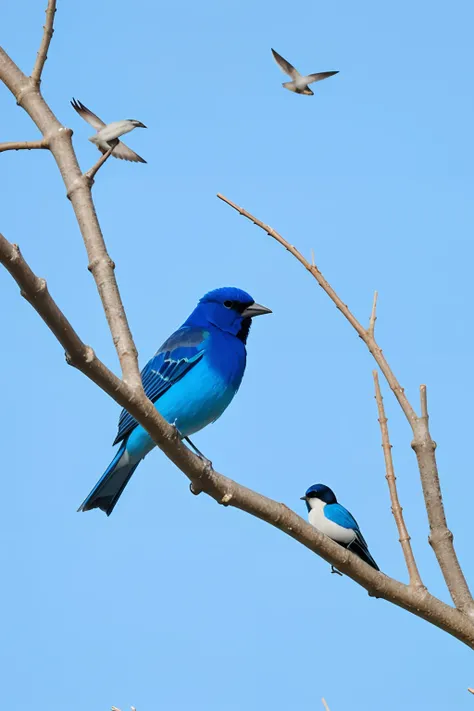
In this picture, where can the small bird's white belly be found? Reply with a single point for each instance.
(300, 83)
(337, 533)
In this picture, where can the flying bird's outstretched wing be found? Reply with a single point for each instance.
(285, 66)
(124, 153)
(172, 361)
(319, 76)
(87, 115)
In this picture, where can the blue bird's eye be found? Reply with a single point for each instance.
(228, 304)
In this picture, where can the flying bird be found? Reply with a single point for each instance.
(108, 134)
(191, 379)
(300, 83)
(332, 519)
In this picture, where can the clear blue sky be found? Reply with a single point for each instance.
(176, 603)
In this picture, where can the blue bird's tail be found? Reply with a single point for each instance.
(109, 488)
(360, 548)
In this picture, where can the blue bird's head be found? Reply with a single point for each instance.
(321, 492)
(229, 309)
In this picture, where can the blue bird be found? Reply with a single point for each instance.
(191, 379)
(336, 522)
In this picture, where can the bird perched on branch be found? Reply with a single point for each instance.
(191, 379)
(108, 134)
(332, 519)
(300, 83)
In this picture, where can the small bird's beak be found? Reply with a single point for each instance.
(255, 310)
(303, 498)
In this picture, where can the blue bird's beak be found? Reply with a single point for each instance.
(303, 498)
(255, 310)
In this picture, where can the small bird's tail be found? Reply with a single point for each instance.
(109, 488)
(360, 548)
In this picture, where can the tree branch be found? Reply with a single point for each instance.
(373, 315)
(91, 173)
(23, 145)
(326, 707)
(78, 189)
(397, 511)
(45, 42)
(219, 487)
(441, 539)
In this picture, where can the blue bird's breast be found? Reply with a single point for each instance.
(202, 395)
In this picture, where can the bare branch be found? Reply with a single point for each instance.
(218, 486)
(23, 145)
(424, 401)
(343, 308)
(471, 690)
(397, 511)
(45, 42)
(78, 190)
(373, 317)
(441, 537)
(325, 704)
(91, 173)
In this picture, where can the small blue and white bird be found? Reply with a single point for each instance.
(336, 522)
(191, 379)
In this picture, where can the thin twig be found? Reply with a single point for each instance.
(471, 690)
(325, 704)
(343, 308)
(48, 31)
(373, 317)
(91, 173)
(424, 401)
(441, 537)
(23, 145)
(397, 511)
(216, 485)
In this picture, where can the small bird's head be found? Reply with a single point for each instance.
(136, 124)
(321, 492)
(229, 309)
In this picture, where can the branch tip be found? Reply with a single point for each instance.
(42, 55)
(424, 401)
(373, 317)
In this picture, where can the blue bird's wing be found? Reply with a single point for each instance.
(181, 352)
(339, 514)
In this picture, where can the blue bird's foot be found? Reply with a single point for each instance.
(195, 487)
(206, 461)
(336, 571)
(201, 456)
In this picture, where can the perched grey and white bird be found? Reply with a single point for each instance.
(300, 83)
(335, 521)
(107, 134)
